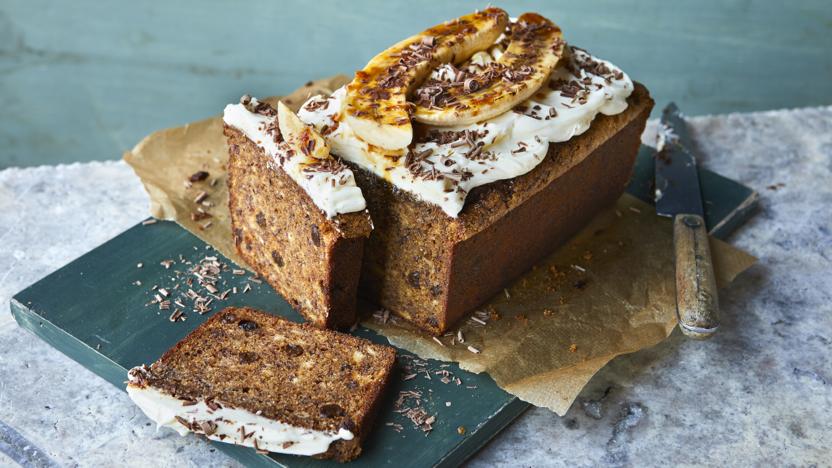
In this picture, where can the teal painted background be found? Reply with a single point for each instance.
(85, 80)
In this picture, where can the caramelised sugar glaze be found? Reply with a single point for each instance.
(533, 47)
(444, 163)
(376, 100)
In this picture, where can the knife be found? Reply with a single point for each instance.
(678, 196)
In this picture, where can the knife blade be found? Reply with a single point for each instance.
(678, 195)
(677, 180)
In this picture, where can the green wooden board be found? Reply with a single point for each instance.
(93, 311)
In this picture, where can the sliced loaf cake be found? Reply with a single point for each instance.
(251, 378)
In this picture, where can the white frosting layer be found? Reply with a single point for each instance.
(514, 143)
(232, 425)
(332, 192)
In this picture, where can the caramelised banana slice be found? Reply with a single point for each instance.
(535, 46)
(376, 105)
(300, 137)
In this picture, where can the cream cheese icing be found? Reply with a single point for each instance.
(234, 425)
(443, 166)
(330, 184)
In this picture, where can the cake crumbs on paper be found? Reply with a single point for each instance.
(547, 312)
(201, 196)
(382, 316)
(573, 348)
(198, 176)
(460, 430)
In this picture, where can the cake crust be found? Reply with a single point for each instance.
(432, 269)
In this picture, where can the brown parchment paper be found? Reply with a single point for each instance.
(609, 291)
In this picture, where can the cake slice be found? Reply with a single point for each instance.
(254, 379)
(297, 217)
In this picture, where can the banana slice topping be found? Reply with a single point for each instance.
(535, 46)
(300, 138)
(376, 106)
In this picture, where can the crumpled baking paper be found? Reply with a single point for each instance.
(609, 291)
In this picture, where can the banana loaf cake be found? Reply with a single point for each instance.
(254, 379)
(298, 218)
(465, 199)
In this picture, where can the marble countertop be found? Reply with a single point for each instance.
(759, 393)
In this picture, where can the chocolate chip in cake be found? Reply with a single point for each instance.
(247, 357)
(413, 279)
(348, 424)
(293, 350)
(229, 318)
(436, 290)
(247, 325)
(332, 411)
(316, 235)
(261, 219)
(277, 258)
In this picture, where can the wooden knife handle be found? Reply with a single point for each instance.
(696, 299)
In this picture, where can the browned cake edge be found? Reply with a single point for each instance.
(342, 237)
(500, 232)
(342, 450)
(546, 217)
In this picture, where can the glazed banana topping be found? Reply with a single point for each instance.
(300, 152)
(535, 45)
(446, 163)
(376, 105)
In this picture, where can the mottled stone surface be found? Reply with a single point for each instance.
(759, 393)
